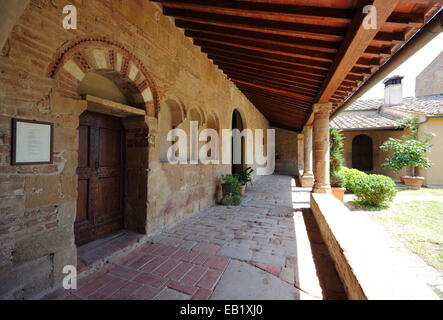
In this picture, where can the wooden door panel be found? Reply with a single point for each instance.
(82, 204)
(100, 191)
(109, 200)
(83, 151)
(110, 152)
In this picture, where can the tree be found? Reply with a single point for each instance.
(408, 151)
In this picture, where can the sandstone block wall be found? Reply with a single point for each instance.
(286, 152)
(41, 65)
(430, 81)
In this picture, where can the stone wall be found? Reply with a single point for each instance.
(366, 258)
(41, 66)
(430, 81)
(286, 161)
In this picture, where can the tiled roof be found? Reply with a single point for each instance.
(363, 121)
(351, 118)
(363, 105)
(432, 105)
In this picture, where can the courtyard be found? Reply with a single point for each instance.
(415, 219)
(93, 92)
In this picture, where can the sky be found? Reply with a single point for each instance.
(410, 69)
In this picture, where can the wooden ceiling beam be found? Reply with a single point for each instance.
(295, 11)
(289, 10)
(267, 75)
(390, 37)
(263, 47)
(372, 62)
(354, 45)
(378, 51)
(235, 73)
(275, 90)
(274, 85)
(258, 36)
(255, 23)
(353, 77)
(292, 80)
(303, 71)
(275, 96)
(270, 66)
(321, 65)
(275, 106)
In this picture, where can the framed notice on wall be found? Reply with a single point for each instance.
(32, 142)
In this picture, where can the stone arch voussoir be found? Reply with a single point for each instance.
(110, 59)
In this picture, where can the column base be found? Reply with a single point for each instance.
(322, 189)
(307, 181)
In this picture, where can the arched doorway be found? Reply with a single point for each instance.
(100, 207)
(362, 153)
(118, 101)
(237, 123)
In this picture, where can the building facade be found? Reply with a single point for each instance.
(116, 85)
(367, 124)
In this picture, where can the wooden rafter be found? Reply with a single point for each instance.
(286, 56)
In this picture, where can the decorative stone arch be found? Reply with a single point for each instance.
(79, 57)
(242, 114)
(238, 122)
(213, 121)
(171, 116)
(196, 114)
(177, 109)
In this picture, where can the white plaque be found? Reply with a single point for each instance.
(32, 142)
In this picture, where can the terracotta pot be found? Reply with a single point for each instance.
(414, 182)
(243, 190)
(402, 179)
(339, 193)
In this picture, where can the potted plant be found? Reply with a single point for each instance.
(231, 188)
(409, 151)
(244, 177)
(336, 161)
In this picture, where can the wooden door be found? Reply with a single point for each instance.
(362, 153)
(100, 174)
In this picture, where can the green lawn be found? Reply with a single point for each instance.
(434, 192)
(419, 225)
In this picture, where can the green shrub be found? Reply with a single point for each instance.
(231, 190)
(336, 158)
(245, 176)
(347, 178)
(374, 190)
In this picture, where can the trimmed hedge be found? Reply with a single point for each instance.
(374, 190)
(347, 178)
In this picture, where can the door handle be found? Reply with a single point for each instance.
(97, 165)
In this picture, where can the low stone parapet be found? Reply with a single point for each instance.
(364, 256)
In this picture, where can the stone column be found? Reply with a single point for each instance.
(321, 148)
(300, 164)
(307, 180)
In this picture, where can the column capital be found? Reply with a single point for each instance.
(300, 136)
(306, 129)
(322, 107)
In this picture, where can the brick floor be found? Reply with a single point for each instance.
(192, 256)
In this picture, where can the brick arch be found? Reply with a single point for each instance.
(79, 57)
